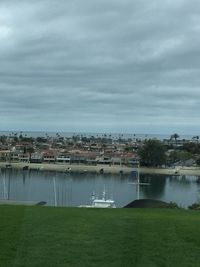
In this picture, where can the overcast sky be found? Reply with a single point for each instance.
(100, 66)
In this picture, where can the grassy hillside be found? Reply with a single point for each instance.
(45, 237)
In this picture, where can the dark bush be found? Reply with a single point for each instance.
(173, 205)
(194, 206)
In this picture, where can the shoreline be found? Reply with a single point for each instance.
(73, 168)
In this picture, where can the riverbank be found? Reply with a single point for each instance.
(101, 168)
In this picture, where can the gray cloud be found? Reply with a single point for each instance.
(100, 65)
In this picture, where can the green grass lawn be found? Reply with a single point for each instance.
(45, 236)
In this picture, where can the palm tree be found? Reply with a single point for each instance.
(196, 138)
(175, 136)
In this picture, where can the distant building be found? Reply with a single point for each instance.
(24, 157)
(62, 158)
(36, 158)
(49, 156)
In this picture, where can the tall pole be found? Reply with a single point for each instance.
(138, 182)
(4, 189)
(5, 194)
(55, 195)
(138, 185)
(104, 192)
(9, 185)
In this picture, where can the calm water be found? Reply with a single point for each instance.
(76, 189)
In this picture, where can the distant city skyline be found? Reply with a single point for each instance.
(100, 66)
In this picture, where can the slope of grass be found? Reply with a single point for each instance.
(45, 236)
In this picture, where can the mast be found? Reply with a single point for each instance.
(104, 192)
(4, 189)
(138, 181)
(55, 193)
(5, 193)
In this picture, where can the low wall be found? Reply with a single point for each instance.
(106, 169)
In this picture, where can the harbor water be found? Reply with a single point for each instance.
(67, 189)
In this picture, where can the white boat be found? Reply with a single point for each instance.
(100, 202)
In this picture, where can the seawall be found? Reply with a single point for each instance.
(102, 168)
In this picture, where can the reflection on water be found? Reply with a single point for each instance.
(76, 189)
(156, 188)
(182, 180)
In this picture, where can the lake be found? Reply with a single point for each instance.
(76, 189)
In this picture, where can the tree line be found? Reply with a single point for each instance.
(155, 153)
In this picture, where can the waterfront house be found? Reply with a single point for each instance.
(63, 158)
(77, 159)
(14, 155)
(49, 156)
(24, 157)
(104, 160)
(116, 160)
(36, 158)
(4, 155)
(90, 157)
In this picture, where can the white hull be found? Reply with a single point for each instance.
(100, 203)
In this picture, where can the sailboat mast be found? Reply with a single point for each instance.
(138, 182)
(4, 189)
(55, 193)
(104, 192)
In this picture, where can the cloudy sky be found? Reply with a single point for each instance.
(100, 66)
